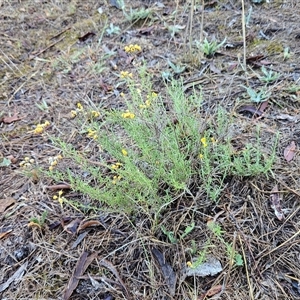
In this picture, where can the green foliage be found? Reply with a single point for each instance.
(135, 15)
(40, 220)
(257, 97)
(176, 68)
(286, 53)
(156, 150)
(113, 29)
(269, 76)
(231, 253)
(210, 48)
(169, 234)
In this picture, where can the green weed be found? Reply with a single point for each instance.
(154, 149)
(113, 29)
(135, 15)
(257, 97)
(269, 76)
(210, 48)
(40, 220)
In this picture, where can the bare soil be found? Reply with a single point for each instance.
(58, 52)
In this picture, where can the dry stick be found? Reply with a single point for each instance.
(48, 47)
(231, 261)
(281, 245)
(247, 273)
(191, 25)
(202, 22)
(270, 192)
(244, 35)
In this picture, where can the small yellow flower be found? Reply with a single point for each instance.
(124, 152)
(189, 264)
(95, 114)
(151, 96)
(116, 166)
(201, 156)
(204, 142)
(213, 140)
(51, 168)
(38, 129)
(59, 198)
(128, 115)
(79, 106)
(146, 105)
(122, 95)
(116, 179)
(132, 48)
(125, 74)
(92, 134)
(54, 163)
(73, 113)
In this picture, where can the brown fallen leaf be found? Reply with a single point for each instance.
(214, 290)
(5, 233)
(290, 151)
(62, 186)
(263, 105)
(211, 292)
(251, 109)
(107, 264)
(86, 36)
(12, 159)
(82, 264)
(5, 203)
(275, 203)
(90, 223)
(167, 271)
(71, 227)
(13, 118)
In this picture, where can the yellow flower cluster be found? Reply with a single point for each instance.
(124, 152)
(204, 142)
(189, 264)
(125, 74)
(78, 109)
(40, 127)
(132, 48)
(92, 134)
(146, 104)
(59, 198)
(116, 179)
(149, 99)
(53, 161)
(128, 115)
(26, 163)
(95, 114)
(116, 166)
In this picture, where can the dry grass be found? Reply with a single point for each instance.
(42, 60)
